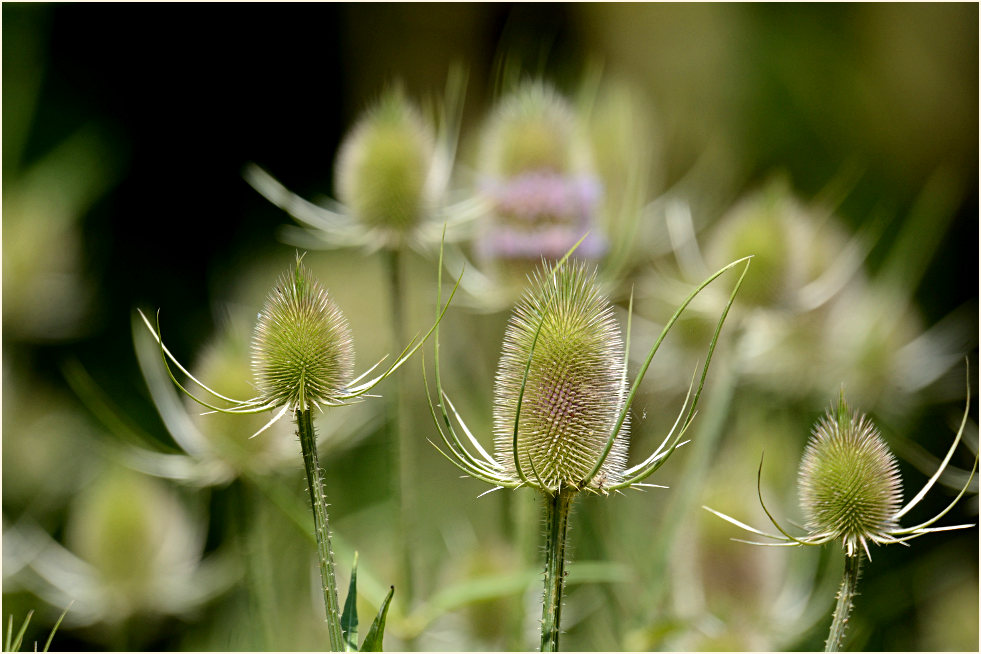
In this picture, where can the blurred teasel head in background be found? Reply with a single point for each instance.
(392, 179)
(538, 179)
(382, 168)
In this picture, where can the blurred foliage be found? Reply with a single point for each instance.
(836, 142)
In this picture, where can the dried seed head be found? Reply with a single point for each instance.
(849, 482)
(302, 352)
(574, 392)
(383, 165)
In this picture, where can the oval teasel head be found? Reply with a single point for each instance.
(302, 349)
(575, 387)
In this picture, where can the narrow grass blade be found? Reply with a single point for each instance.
(19, 638)
(57, 624)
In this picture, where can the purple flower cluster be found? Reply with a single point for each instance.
(542, 214)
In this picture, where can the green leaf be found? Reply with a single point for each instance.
(373, 641)
(349, 620)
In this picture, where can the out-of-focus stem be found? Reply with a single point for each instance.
(400, 447)
(318, 500)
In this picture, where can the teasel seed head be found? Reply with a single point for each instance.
(302, 351)
(575, 388)
(533, 129)
(383, 164)
(850, 488)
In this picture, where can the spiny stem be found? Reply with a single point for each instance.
(557, 509)
(849, 587)
(318, 499)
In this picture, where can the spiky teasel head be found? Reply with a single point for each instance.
(302, 351)
(563, 347)
(850, 488)
(849, 482)
(383, 165)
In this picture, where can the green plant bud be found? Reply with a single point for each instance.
(136, 535)
(383, 165)
(302, 351)
(849, 482)
(574, 392)
(533, 129)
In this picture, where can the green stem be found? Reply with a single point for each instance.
(402, 459)
(250, 539)
(849, 586)
(318, 499)
(557, 508)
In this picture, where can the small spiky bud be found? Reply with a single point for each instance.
(574, 392)
(383, 165)
(302, 352)
(849, 482)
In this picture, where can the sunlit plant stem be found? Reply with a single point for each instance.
(318, 500)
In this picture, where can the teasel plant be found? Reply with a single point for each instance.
(392, 181)
(561, 408)
(851, 493)
(303, 361)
